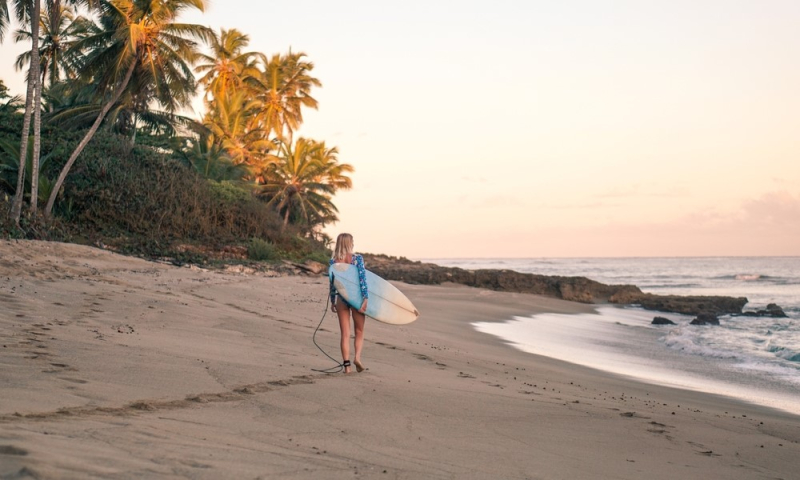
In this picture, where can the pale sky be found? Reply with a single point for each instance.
(541, 128)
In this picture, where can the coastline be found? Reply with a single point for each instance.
(148, 369)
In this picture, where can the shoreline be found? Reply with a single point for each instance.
(148, 369)
(620, 341)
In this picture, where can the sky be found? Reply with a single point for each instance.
(548, 129)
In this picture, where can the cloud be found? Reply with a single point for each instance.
(474, 179)
(647, 190)
(580, 206)
(781, 209)
(495, 201)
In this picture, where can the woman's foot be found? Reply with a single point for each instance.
(359, 366)
(346, 365)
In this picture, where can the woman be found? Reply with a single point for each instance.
(343, 253)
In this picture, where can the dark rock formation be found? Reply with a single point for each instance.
(662, 321)
(772, 310)
(576, 289)
(687, 305)
(705, 319)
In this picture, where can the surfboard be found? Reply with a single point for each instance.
(386, 303)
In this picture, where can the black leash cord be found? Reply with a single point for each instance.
(339, 366)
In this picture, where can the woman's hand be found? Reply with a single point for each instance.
(363, 306)
(333, 307)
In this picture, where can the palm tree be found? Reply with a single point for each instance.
(60, 29)
(234, 126)
(228, 68)
(211, 160)
(143, 36)
(284, 89)
(303, 180)
(26, 10)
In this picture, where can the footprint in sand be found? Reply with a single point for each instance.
(390, 347)
(12, 450)
(465, 375)
(74, 380)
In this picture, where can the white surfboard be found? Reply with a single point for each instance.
(386, 303)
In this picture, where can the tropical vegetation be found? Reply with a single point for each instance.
(102, 145)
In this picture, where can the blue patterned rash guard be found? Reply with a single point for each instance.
(358, 261)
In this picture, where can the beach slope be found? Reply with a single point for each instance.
(115, 367)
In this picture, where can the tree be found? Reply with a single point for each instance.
(234, 125)
(284, 89)
(143, 35)
(211, 160)
(25, 10)
(228, 69)
(60, 27)
(302, 180)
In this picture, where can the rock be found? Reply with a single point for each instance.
(772, 310)
(311, 266)
(687, 305)
(240, 269)
(705, 319)
(662, 321)
(775, 311)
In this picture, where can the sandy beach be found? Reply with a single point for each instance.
(116, 367)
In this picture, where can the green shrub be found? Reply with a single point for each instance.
(262, 250)
(228, 192)
(321, 256)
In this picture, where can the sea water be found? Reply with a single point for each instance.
(756, 359)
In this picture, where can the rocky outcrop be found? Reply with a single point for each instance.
(772, 310)
(576, 289)
(662, 321)
(705, 319)
(688, 305)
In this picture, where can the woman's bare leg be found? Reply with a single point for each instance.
(343, 311)
(358, 321)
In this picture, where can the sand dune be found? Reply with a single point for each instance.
(115, 367)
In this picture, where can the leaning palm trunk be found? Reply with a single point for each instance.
(64, 171)
(33, 81)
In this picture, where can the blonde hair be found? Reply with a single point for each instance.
(344, 247)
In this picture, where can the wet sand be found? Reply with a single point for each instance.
(114, 367)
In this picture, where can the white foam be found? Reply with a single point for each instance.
(747, 277)
(733, 361)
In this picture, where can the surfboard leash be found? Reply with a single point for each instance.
(339, 366)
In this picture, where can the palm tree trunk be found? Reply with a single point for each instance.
(37, 142)
(33, 79)
(64, 171)
(133, 137)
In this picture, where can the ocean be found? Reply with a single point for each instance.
(755, 359)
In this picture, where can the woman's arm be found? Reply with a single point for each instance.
(362, 282)
(362, 276)
(332, 291)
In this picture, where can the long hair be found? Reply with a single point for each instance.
(344, 247)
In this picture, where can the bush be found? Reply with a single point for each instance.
(262, 250)
(117, 191)
(321, 256)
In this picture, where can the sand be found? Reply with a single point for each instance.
(115, 367)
